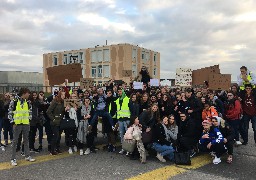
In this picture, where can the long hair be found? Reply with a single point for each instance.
(58, 98)
(154, 114)
(174, 123)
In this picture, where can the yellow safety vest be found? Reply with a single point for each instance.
(21, 114)
(109, 109)
(242, 87)
(124, 111)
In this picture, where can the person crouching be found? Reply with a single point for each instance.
(212, 141)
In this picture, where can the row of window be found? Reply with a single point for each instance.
(100, 71)
(97, 56)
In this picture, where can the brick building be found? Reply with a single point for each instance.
(216, 80)
(101, 63)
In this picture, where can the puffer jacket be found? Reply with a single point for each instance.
(133, 132)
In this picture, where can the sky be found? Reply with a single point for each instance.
(187, 33)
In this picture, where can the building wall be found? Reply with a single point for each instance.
(211, 74)
(121, 57)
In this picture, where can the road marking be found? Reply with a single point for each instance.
(39, 159)
(173, 170)
(43, 158)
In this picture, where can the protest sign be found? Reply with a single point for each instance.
(154, 82)
(137, 85)
(72, 102)
(86, 83)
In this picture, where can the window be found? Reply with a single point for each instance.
(81, 57)
(99, 56)
(154, 58)
(134, 70)
(94, 71)
(65, 59)
(94, 56)
(106, 71)
(154, 73)
(100, 71)
(69, 58)
(134, 53)
(147, 56)
(142, 55)
(55, 60)
(106, 55)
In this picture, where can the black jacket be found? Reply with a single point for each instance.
(135, 109)
(187, 129)
(197, 108)
(147, 121)
(159, 135)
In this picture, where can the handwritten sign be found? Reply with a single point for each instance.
(183, 77)
(137, 85)
(72, 102)
(154, 82)
(86, 83)
(127, 73)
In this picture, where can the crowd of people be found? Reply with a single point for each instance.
(161, 120)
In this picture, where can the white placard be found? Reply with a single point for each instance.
(183, 77)
(154, 82)
(137, 85)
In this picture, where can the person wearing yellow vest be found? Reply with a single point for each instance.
(19, 114)
(123, 113)
(246, 77)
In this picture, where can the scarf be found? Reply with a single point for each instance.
(85, 111)
(72, 115)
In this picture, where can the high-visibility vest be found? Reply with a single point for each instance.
(123, 111)
(21, 114)
(109, 109)
(242, 87)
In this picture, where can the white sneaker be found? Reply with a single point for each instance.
(81, 152)
(2, 147)
(75, 149)
(127, 153)
(70, 151)
(160, 157)
(30, 159)
(121, 152)
(87, 151)
(216, 160)
(238, 143)
(14, 162)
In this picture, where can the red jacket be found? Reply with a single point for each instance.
(233, 111)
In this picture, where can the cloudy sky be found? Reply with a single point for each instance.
(187, 33)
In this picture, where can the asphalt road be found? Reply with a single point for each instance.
(111, 166)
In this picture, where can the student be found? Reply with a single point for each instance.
(228, 133)
(212, 141)
(172, 130)
(161, 141)
(134, 132)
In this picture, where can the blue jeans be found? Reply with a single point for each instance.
(123, 128)
(235, 125)
(245, 126)
(103, 114)
(164, 150)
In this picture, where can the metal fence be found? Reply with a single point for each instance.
(46, 89)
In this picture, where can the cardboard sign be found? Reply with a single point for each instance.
(86, 83)
(137, 85)
(127, 73)
(183, 77)
(154, 82)
(118, 82)
(72, 102)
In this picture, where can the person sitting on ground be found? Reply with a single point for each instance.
(209, 111)
(161, 141)
(228, 133)
(172, 130)
(134, 133)
(212, 141)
